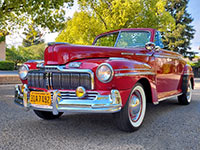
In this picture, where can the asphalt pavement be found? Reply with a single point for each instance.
(166, 126)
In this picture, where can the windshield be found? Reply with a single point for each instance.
(124, 39)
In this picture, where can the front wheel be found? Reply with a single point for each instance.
(186, 97)
(130, 118)
(47, 115)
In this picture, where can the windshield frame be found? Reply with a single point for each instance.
(119, 34)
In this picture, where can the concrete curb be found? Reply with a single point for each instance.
(9, 79)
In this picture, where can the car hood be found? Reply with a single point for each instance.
(63, 53)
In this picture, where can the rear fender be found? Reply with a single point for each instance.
(187, 76)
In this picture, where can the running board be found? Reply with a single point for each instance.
(162, 99)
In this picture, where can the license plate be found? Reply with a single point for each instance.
(40, 98)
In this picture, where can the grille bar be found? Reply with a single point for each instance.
(70, 95)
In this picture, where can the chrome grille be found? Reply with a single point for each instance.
(59, 80)
(36, 79)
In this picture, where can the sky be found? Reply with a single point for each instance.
(193, 9)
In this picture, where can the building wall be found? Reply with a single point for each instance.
(2, 50)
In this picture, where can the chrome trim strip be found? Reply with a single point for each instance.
(127, 53)
(135, 69)
(162, 99)
(140, 54)
(116, 58)
(134, 74)
(165, 56)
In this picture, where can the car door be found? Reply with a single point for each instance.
(167, 73)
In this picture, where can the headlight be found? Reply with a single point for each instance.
(23, 72)
(104, 73)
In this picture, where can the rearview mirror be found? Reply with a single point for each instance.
(150, 46)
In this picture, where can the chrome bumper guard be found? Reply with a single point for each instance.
(101, 104)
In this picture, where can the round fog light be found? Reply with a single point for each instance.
(80, 92)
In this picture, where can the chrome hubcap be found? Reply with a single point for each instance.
(135, 106)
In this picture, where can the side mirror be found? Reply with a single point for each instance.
(150, 46)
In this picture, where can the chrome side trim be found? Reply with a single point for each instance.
(134, 74)
(135, 69)
(162, 99)
(127, 53)
(140, 54)
(116, 58)
(165, 56)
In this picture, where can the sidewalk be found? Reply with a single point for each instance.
(9, 77)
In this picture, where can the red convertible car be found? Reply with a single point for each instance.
(122, 71)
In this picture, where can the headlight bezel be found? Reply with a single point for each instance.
(27, 69)
(111, 70)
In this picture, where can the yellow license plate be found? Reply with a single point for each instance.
(40, 98)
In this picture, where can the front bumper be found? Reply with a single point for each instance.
(100, 104)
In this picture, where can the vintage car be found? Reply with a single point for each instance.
(122, 71)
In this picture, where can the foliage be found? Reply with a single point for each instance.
(81, 29)
(6, 65)
(2, 38)
(12, 54)
(97, 16)
(196, 65)
(179, 39)
(22, 54)
(18, 13)
(33, 36)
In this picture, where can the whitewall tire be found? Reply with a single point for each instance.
(131, 116)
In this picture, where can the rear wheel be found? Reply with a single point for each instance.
(130, 118)
(47, 115)
(186, 97)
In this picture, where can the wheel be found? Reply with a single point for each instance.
(131, 116)
(47, 115)
(186, 97)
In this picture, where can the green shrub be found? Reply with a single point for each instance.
(6, 65)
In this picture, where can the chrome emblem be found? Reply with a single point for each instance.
(75, 64)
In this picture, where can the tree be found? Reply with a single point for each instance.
(115, 14)
(81, 29)
(179, 39)
(47, 14)
(12, 54)
(22, 54)
(33, 36)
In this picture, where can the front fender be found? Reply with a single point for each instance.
(127, 73)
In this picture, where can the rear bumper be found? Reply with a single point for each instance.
(100, 104)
